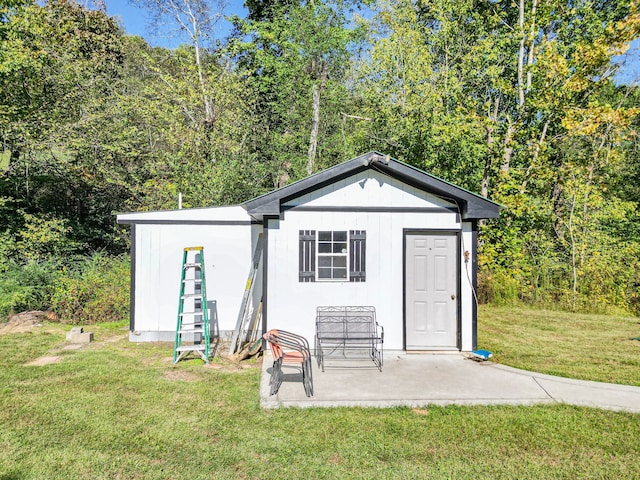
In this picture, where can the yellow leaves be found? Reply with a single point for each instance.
(588, 121)
(591, 55)
(620, 34)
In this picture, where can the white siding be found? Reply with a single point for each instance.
(292, 304)
(158, 260)
(467, 295)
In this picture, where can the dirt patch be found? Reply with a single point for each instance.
(420, 411)
(24, 322)
(180, 375)
(41, 361)
(231, 364)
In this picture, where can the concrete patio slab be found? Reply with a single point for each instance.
(416, 380)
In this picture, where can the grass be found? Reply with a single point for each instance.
(588, 347)
(120, 410)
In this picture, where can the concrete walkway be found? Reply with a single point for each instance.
(439, 379)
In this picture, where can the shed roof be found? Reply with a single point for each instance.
(231, 215)
(471, 205)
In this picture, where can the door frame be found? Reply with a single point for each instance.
(431, 231)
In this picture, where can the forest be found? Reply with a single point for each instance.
(517, 100)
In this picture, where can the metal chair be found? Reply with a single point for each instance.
(289, 348)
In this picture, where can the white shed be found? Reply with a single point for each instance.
(371, 231)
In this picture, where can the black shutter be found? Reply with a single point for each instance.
(358, 257)
(307, 256)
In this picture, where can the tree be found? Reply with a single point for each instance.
(196, 19)
(515, 101)
(296, 56)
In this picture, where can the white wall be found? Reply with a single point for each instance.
(292, 304)
(158, 261)
(467, 295)
(369, 189)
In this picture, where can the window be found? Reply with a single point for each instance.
(332, 255)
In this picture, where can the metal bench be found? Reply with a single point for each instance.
(346, 329)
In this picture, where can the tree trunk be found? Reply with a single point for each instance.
(532, 39)
(315, 123)
(206, 101)
(573, 255)
(194, 23)
(508, 148)
(556, 201)
(536, 154)
(208, 108)
(493, 120)
(521, 50)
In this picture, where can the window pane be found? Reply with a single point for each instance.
(324, 273)
(339, 248)
(340, 262)
(324, 261)
(340, 236)
(340, 273)
(324, 236)
(324, 248)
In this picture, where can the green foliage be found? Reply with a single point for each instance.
(518, 104)
(498, 288)
(25, 287)
(94, 290)
(5, 156)
(288, 51)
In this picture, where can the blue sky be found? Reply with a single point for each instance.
(136, 22)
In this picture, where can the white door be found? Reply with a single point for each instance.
(431, 291)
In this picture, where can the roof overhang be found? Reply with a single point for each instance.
(471, 205)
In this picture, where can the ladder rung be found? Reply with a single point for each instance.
(192, 335)
(190, 348)
(191, 330)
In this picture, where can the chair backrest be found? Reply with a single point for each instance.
(276, 349)
(281, 340)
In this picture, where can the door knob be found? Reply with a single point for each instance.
(453, 297)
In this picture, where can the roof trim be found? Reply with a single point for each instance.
(472, 206)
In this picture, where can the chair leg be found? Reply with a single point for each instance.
(307, 377)
(276, 377)
(273, 372)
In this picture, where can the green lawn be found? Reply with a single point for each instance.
(589, 347)
(118, 410)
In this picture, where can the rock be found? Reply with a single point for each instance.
(23, 322)
(28, 318)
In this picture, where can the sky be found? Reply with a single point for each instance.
(136, 22)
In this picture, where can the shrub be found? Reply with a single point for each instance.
(497, 287)
(95, 290)
(26, 286)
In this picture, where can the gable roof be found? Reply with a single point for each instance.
(471, 205)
